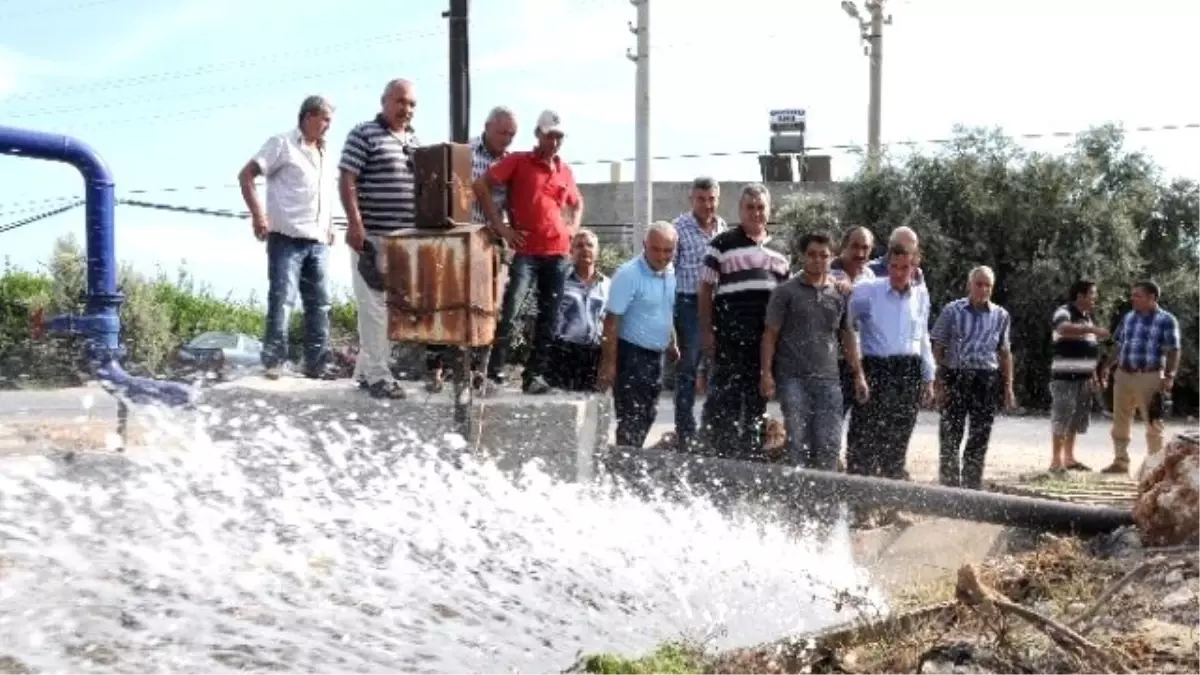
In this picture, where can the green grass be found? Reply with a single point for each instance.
(672, 658)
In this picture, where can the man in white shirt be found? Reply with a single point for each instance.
(298, 229)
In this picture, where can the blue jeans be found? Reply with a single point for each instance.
(687, 336)
(296, 265)
(812, 413)
(541, 274)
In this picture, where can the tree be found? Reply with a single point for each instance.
(1040, 221)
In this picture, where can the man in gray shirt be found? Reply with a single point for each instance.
(807, 319)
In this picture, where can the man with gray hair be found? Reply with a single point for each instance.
(486, 149)
(970, 342)
(904, 237)
(378, 191)
(297, 226)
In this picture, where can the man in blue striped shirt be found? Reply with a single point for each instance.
(378, 192)
(971, 346)
(892, 314)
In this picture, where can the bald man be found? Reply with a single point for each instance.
(974, 364)
(906, 238)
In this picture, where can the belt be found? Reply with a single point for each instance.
(1130, 369)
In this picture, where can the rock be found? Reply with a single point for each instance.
(1181, 597)
(961, 657)
(1173, 578)
(1167, 510)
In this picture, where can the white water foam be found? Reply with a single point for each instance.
(278, 553)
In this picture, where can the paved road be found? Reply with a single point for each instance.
(1019, 444)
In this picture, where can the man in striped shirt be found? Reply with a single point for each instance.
(379, 196)
(740, 272)
(971, 346)
(1073, 373)
(695, 230)
(486, 149)
(1145, 357)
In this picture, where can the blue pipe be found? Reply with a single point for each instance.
(101, 322)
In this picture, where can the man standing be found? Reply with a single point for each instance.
(806, 322)
(848, 270)
(638, 330)
(379, 196)
(695, 229)
(1073, 371)
(486, 149)
(904, 237)
(892, 315)
(740, 272)
(971, 346)
(579, 326)
(540, 186)
(1145, 356)
(298, 229)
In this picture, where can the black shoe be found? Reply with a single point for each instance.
(387, 389)
(536, 385)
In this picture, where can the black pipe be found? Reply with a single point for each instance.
(802, 488)
(460, 71)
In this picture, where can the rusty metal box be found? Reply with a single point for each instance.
(442, 174)
(442, 286)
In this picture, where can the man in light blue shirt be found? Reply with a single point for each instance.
(638, 330)
(892, 315)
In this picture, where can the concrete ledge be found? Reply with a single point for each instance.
(564, 432)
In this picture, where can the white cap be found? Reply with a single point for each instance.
(549, 123)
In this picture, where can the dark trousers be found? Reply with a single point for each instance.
(635, 392)
(573, 367)
(734, 412)
(970, 394)
(542, 275)
(880, 429)
(846, 377)
(687, 337)
(296, 265)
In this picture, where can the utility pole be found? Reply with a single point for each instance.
(643, 189)
(871, 33)
(460, 71)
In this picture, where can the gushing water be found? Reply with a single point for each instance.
(333, 549)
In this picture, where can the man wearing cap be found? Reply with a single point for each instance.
(378, 193)
(540, 186)
(298, 228)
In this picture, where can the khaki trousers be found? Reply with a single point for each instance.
(1133, 392)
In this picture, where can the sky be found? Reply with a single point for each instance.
(176, 95)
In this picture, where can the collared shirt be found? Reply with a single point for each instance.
(691, 249)
(482, 160)
(837, 270)
(538, 190)
(1144, 340)
(972, 336)
(387, 190)
(1076, 357)
(810, 320)
(581, 310)
(879, 267)
(645, 301)
(300, 187)
(891, 323)
(743, 273)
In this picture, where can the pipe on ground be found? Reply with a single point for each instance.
(101, 322)
(803, 487)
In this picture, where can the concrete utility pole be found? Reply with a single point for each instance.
(871, 33)
(460, 71)
(643, 189)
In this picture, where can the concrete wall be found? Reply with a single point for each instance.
(612, 203)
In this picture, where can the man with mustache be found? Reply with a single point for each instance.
(850, 269)
(378, 193)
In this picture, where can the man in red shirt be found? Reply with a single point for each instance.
(540, 186)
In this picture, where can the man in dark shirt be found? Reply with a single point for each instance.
(739, 274)
(1073, 373)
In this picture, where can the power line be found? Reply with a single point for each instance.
(41, 216)
(39, 203)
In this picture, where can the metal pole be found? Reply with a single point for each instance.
(643, 189)
(875, 112)
(460, 75)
